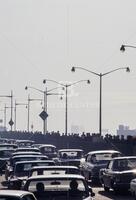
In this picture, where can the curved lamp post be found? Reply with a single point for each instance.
(15, 109)
(123, 47)
(66, 86)
(100, 75)
(45, 94)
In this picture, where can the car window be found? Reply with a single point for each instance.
(28, 197)
(8, 198)
(55, 185)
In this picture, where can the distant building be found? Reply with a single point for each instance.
(125, 131)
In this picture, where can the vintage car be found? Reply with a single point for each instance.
(94, 161)
(49, 170)
(56, 187)
(25, 143)
(48, 150)
(119, 173)
(133, 188)
(70, 157)
(16, 195)
(22, 171)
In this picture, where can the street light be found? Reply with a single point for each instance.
(11, 103)
(123, 47)
(15, 109)
(28, 107)
(100, 75)
(66, 97)
(45, 94)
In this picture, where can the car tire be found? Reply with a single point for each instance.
(106, 188)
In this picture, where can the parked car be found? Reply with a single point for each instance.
(94, 161)
(16, 195)
(56, 187)
(49, 170)
(133, 188)
(22, 171)
(119, 173)
(70, 156)
(48, 150)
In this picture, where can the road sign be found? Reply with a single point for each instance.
(43, 115)
(11, 122)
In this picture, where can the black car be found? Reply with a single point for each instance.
(94, 161)
(118, 173)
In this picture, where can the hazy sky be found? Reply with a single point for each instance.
(42, 39)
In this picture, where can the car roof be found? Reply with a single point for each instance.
(47, 145)
(35, 161)
(61, 150)
(17, 193)
(58, 176)
(30, 156)
(124, 157)
(102, 151)
(54, 167)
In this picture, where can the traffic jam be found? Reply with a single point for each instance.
(32, 171)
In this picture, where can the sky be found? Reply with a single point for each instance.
(43, 39)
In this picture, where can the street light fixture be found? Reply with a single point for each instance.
(45, 94)
(100, 75)
(123, 47)
(66, 96)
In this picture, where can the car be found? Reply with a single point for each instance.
(48, 170)
(16, 195)
(21, 172)
(56, 187)
(25, 143)
(70, 156)
(94, 161)
(119, 173)
(48, 150)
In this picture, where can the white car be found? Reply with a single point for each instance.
(133, 187)
(56, 187)
(16, 195)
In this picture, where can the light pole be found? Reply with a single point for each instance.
(28, 108)
(100, 75)
(66, 86)
(11, 103)
(123, 47)
(44, 113)
(15, 109)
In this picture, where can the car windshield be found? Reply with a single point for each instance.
(102, 158)
(71, 154)
(124, 164)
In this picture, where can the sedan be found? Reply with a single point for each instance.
(119, 173)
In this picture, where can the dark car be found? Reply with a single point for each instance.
(22, 171)
(48, 150)
(70, 156)
(94, 161)
(119, 173)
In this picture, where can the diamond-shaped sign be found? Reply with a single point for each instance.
(43, 115)
(11, 122)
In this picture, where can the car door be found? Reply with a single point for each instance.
(107, 174)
